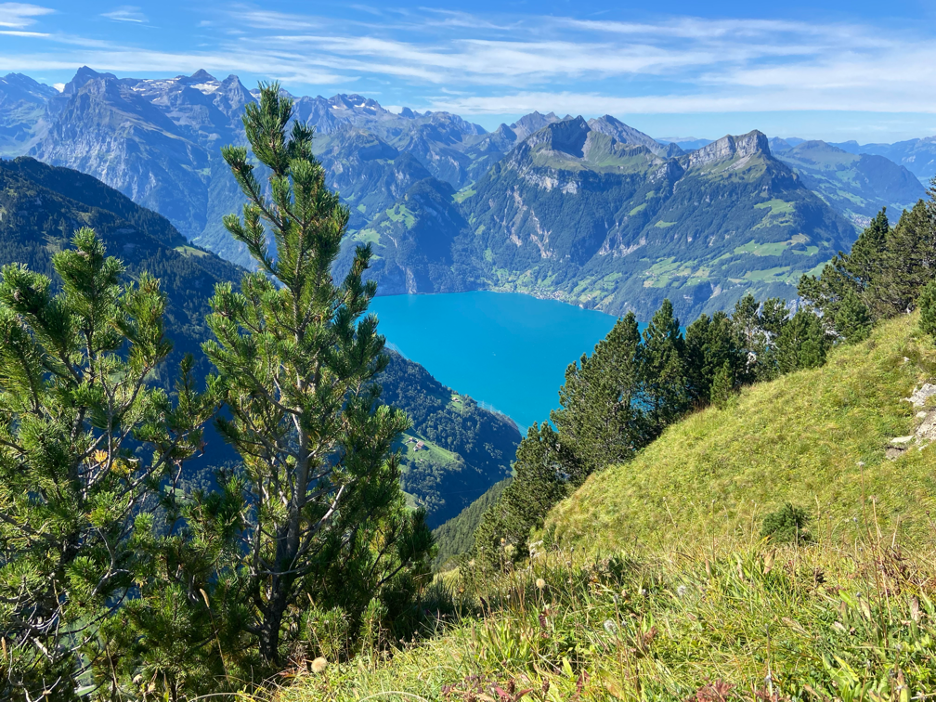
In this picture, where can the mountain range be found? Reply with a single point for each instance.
(594, 212)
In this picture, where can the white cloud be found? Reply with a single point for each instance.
(491, 64)
(126, 13)
(59, 86)
(590, 104)
(20, 33)
(17, 15)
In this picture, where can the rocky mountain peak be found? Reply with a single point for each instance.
(82, 77)
(623, 133)
(202, 76)
(533, 122)
(20, 87)
(568, 136)
(729, 147)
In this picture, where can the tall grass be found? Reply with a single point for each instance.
(844, 620)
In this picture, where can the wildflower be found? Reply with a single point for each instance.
(610, 627)
(319, 665)
(681, 591)
(540, 584)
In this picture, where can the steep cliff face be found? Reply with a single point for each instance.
(22, 104)
(592, 212)
(728, 148)
(574, 214)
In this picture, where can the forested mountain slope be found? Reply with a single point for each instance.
(574, 214)
(856, 185)
(467, 448)
(820, 439)
(918, 155)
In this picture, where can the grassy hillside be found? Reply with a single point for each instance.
(816, 438)
(686, 602)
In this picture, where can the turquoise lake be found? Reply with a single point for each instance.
(506, 350)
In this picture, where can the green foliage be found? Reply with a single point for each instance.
(788, 525)
(86, 442)
(883, 275)
(802, 343)
(927, 305)
(722, 386)
(546, 470)
(716, 356)
(324, 515)
(853, 320)
(665, 372)
(601, 414)
(843, 621)
(908, 259)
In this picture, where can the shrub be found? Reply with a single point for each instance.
(787, 526)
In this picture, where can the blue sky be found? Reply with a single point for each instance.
(845, 70)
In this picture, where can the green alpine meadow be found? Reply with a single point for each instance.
(565, 353)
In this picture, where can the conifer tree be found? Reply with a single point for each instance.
(546, 470)
(713, 346)
(908, 261)
(84, 445)
(664, 369)
(850, 281)
(927, 305)
(853, 320)
(802, 343)
(296, 354)
(599, 413)
(722, 386)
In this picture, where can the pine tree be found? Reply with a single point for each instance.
(712, 345)
(546, 471)
(908, 261)
(598, 411)
(927, 305)
(297, 355)
(803, 343)
(666, 394)
(850, 280)
(85, 442)
(722, 386)
(853, 320)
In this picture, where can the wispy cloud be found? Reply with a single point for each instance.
(17, 15)
(126, 13)
(503, 64)
(20, 33)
